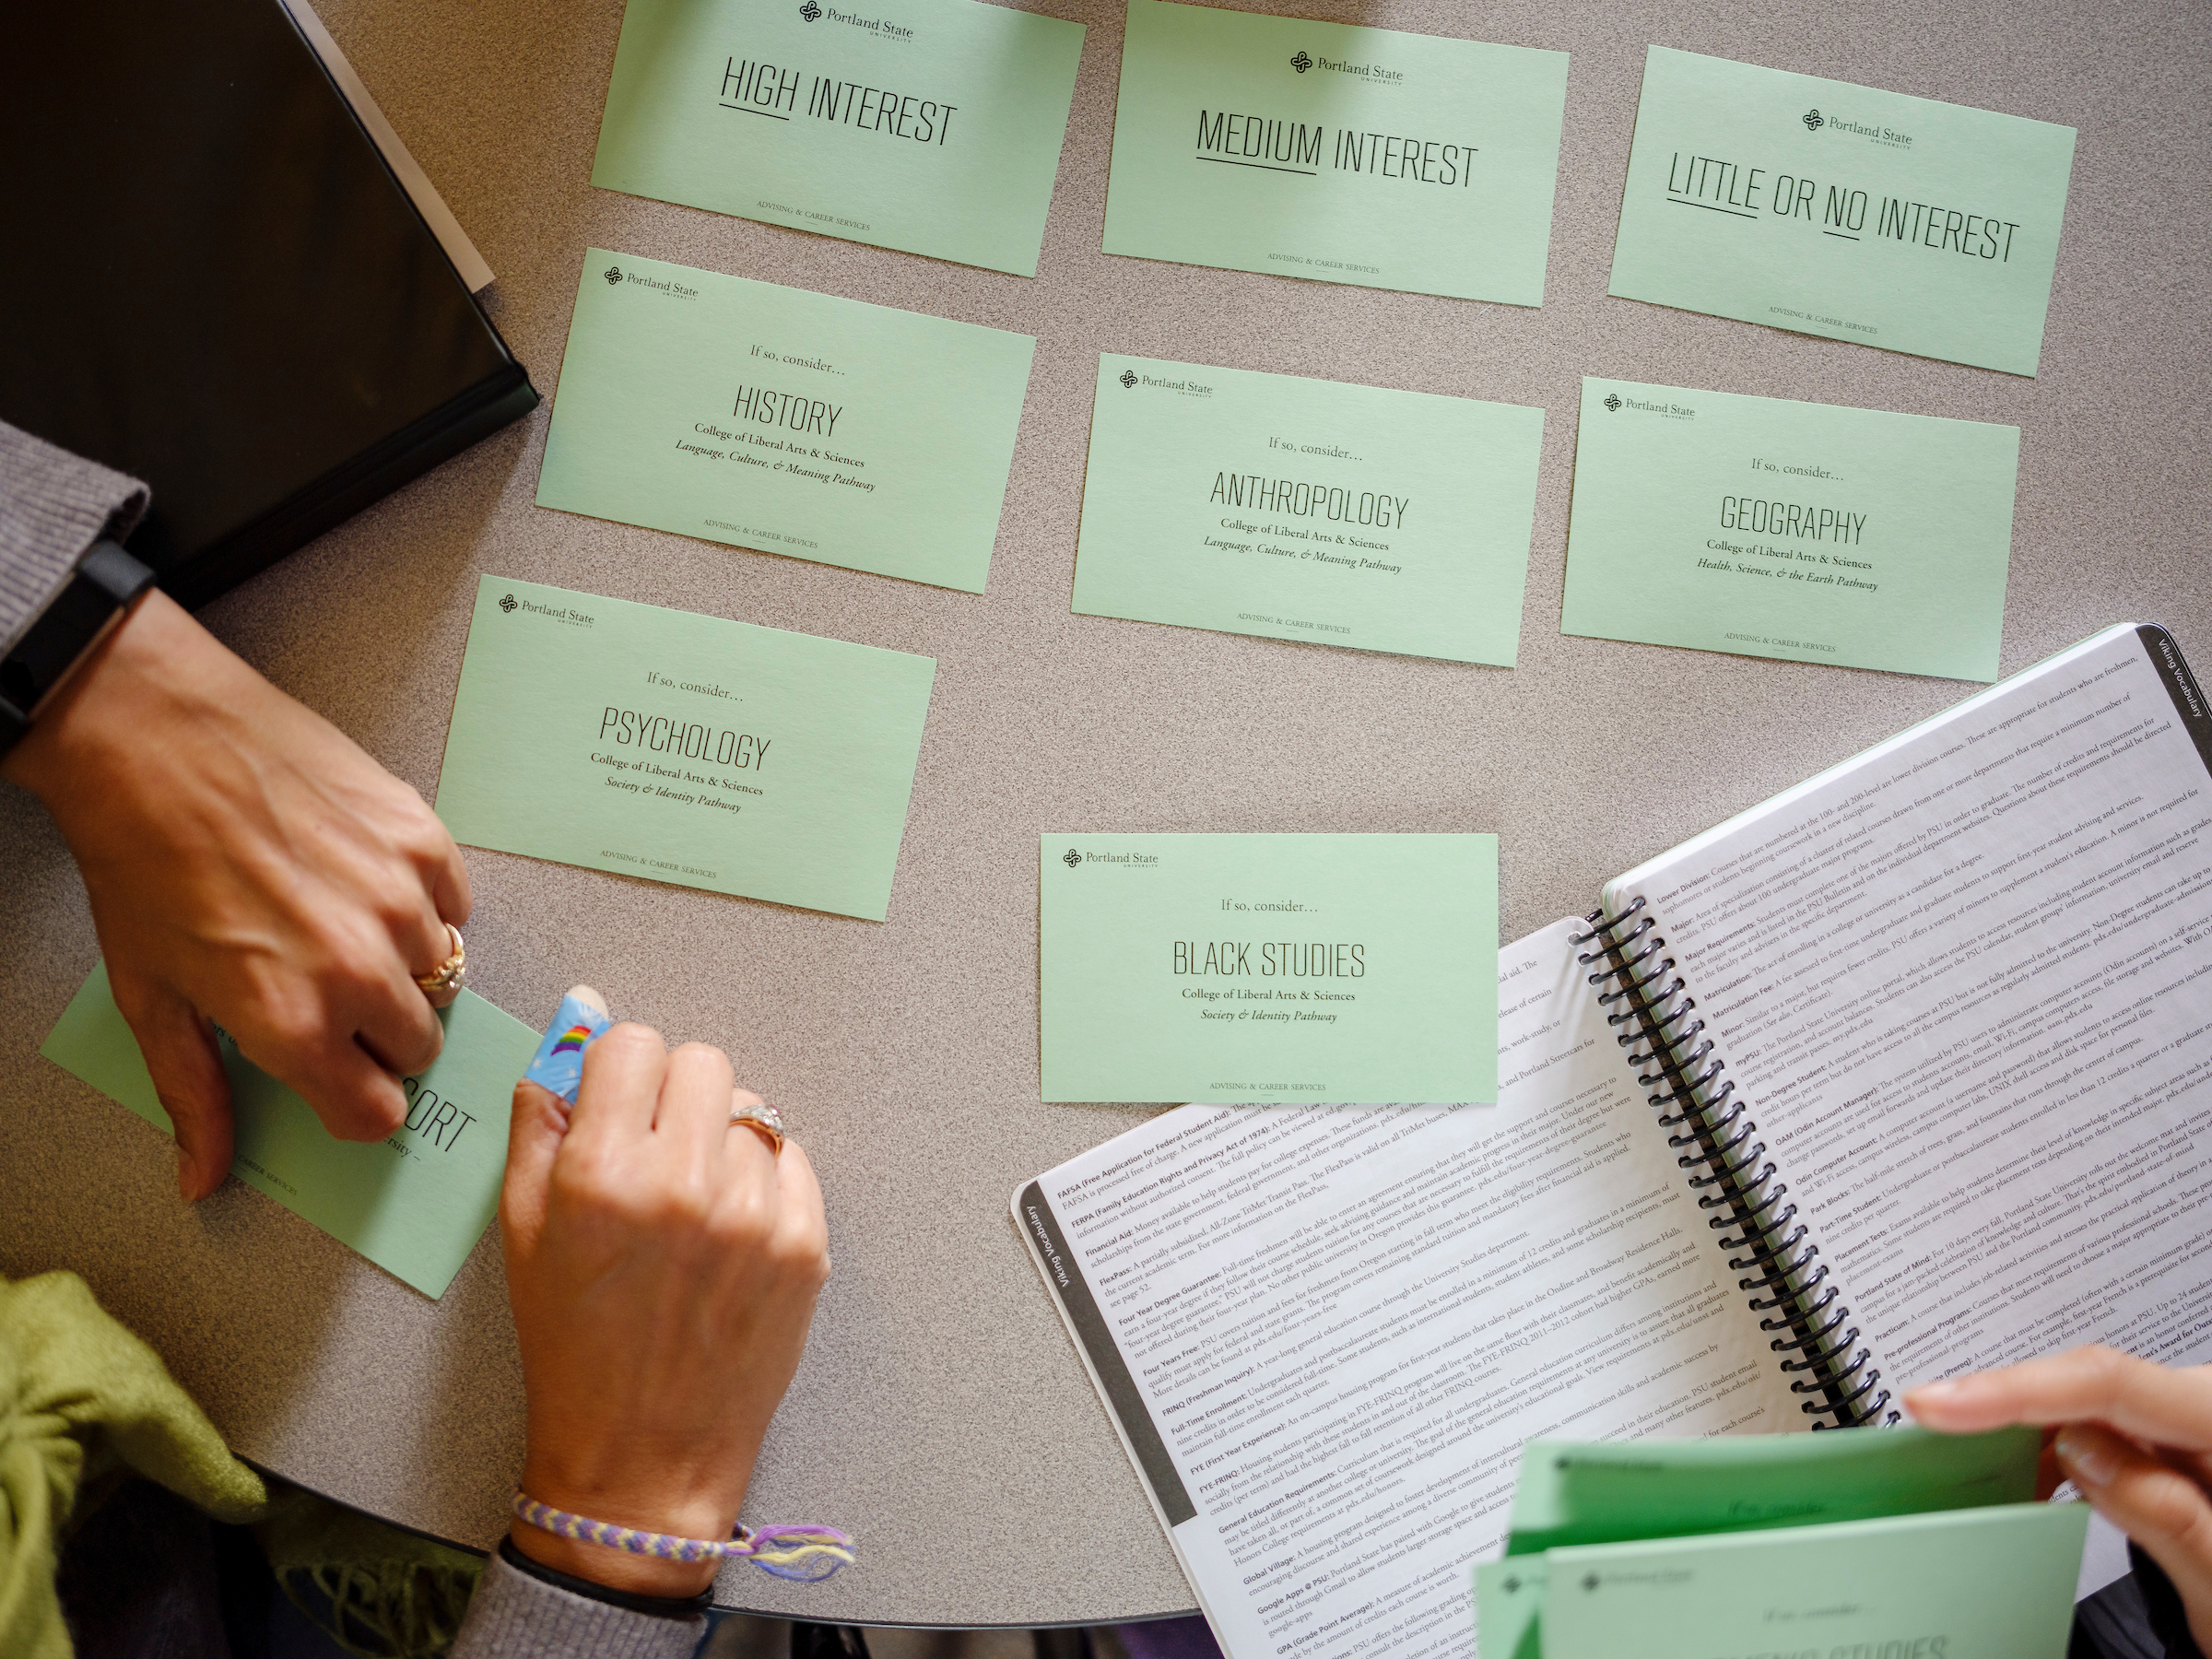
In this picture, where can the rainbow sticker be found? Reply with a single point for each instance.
(574, 1037)
(558, 1064)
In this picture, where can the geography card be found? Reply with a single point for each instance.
(1316, 969)
(1335, 151)
(683, 749)
(1306, 510)
(928, 126)
(790, 422)
(1767, 528)
(1853, 214)
(415, 1203)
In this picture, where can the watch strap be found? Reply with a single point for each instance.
(104, 584)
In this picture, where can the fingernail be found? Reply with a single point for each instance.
(558, 1064)
(2086, 1458)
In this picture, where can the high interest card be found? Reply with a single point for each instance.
(790, 422)
(416, 1202)
(929, 125)
(1767, 528)
(1321, 969)
(1843, 211)
(1305, 510)
(683, 749)
(1336, 152)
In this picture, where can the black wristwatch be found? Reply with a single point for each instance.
(105, 582)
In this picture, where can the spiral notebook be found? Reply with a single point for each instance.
(1905, 1071)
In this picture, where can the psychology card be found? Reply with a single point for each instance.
(928, 126)
(1336, 152)
(1843, 211)
(414, 1203)
(683, 749)
(790, 422)
(1802, 531)
(1305, 510)
(1323, 969)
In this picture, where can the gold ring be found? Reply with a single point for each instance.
(447, 978)
(764, 1121)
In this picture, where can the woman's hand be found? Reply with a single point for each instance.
(2136, 1437)
(664, 1264)
(249, 865)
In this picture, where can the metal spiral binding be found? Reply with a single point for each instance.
(1653, 1013)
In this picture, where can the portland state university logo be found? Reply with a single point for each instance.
(1302, 63)
(1071, 858)
(508, 604)
(613, 275)
(1613, 401)
(1813, 120)
(1128, 377)
(810, 11)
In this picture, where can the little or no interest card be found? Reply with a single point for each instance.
(1335, 151)
(791, 422)
(1771, 528)
(1843, 211)
(414, 1203)
(1323, 969)
(1306, 510)
(683, 749)
(929, 125)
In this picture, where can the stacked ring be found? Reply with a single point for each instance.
(446, 979)
(764, 1121)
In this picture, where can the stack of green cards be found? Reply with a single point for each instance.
(683, 749)
(1843, 211)
(792, 422)
(1316, 969)
(1335, 152)
(414, 1203)
(1794, 530)
(931, 126)
(1306, 510)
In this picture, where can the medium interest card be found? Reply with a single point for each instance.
(1306, 510)
(683, 749)
(1768, 527)
(1323, 969)
(1336, 152)
(1843, 211)
(786, 421)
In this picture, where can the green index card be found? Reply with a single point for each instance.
(1306, 510)
(929, 125)
(1802, 531)
(415, 1203)
(1336, 152)
(790, 422)
(683, 749)
(1843, 211)
(1317, 968)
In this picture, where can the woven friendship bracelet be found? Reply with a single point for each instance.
(804, 1553)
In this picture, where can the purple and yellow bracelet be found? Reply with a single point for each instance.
(805, 1553)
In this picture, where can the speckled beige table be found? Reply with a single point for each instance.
(940, 1413)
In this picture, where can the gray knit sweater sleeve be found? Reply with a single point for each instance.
(53, 506)
(513, 1616)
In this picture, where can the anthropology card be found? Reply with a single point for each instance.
(683, 749)
(930, 125)
(1334, 151)
(1321, 969)
(1306, 510)
(791, 422)
(1843, 211)
(1804, 531)
(414, 1203)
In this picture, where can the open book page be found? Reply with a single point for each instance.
(1965, 985)
(1325, 1331)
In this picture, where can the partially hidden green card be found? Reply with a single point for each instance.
(929, 125)
(789, 422)
(1316, 969)
(683, 749)
(1768, 527)
(1335, 151)
(414, 1203)
(1306, 510)
(1839, 210)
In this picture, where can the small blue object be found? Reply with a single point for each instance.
(558, 1064)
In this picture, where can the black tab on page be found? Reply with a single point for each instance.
(2180, 685)
(1089, 1325)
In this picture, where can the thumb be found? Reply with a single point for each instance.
(535, 1127)
(189, 1080)
(2155, 1504)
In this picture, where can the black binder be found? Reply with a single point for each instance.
(214, 282)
